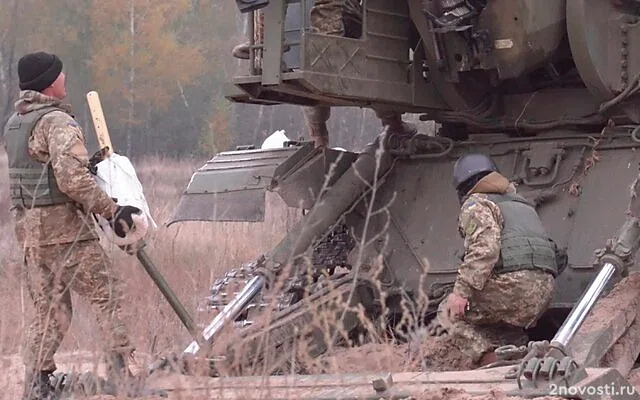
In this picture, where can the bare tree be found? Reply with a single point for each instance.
(132, 72)
(7, 57)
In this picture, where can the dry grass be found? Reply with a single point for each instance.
(11, 294)
(190, 255)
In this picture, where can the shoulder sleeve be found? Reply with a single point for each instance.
(480, 224)
(70, 161)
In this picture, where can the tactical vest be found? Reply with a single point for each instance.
(525, 243)
(31, 183)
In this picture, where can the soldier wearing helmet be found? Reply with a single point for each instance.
(506, 276)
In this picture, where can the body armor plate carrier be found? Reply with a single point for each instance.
(525, 243)
(31, 183)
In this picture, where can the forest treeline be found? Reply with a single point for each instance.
(158, 66)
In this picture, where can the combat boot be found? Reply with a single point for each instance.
(241, 51)
(37, 386)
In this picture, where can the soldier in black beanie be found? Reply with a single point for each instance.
(53, 196)
(38, 71)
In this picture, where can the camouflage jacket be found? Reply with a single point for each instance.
(480, 224)
(58, 139)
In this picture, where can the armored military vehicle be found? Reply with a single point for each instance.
(547, 89)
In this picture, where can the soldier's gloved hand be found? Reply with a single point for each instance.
(96, 158)
(122, 219)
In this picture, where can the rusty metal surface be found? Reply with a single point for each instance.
(623, 354)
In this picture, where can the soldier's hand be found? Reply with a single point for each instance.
(96, 158)
(456, 306)
(122, 222)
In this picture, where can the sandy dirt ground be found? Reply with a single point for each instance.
(367, 360)
(346, 372)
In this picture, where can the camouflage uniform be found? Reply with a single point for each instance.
(62, 250)
(499, 305)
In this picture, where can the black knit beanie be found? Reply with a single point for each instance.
(37, 71)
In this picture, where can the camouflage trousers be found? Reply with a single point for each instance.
(498, 315)
(51, 273)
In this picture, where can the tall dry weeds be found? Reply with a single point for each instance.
(190, 255)
(11, 292)
(323, 321)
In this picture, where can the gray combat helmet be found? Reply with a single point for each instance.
(469, 166)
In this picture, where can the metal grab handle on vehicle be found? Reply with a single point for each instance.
(554, 174)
